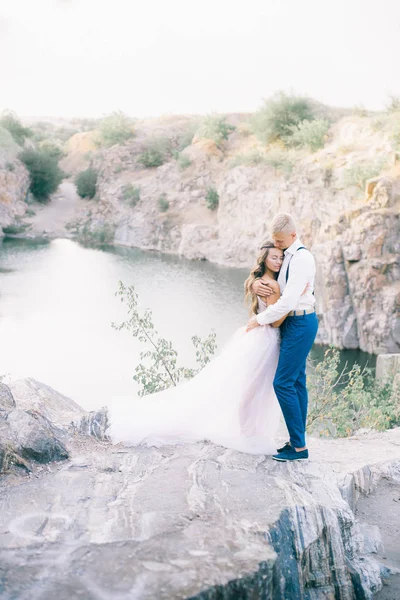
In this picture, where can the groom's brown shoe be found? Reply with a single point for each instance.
(285, 447)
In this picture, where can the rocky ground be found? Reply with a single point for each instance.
(81, 518)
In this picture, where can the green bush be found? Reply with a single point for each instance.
(341, 402)
(96, 236)
(215, 128)
(15, 228)
(282, 160)
(163, 203)
(212, 198)
(45, 174)
(310, 134)
(11, 122)
(115, 128)
(151, 158)
(183, 161)
(275, 120)
(131, 194)
(357, 174)
(86, 183)
(52, 150)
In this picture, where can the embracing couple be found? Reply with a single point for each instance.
(238, 398)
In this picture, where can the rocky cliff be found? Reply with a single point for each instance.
(184, 522)
(14, 184)
(353, 233)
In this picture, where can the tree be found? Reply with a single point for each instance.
(45, 174)
(86, 183)
(11, 122)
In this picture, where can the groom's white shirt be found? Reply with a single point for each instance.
(301, 273)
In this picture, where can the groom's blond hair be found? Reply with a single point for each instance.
(283, 223)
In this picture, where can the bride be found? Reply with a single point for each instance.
(231, 402)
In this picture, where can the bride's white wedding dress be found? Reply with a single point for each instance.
(231, 402)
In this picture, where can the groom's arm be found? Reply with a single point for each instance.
(302, 271)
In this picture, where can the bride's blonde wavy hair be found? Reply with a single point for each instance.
(256, 273)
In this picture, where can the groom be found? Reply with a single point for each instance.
(298, 332)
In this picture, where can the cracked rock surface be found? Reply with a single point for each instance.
(194, 521)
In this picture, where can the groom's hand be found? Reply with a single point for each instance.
(262, 289)
(252, 324)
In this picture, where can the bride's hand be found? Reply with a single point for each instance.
(252, 324)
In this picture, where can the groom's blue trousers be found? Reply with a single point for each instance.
(297, 336)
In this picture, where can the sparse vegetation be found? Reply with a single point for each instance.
(8, 145)
(45, 174)
(215, 128)
(131, 194)
(341, 402)
(15, 228)
(183, 161)
(159, 368)
(357, 174)
(86, 183)
(99, 235)
(115, 128)
(282, 160)
(11, 122)
(151, 158)
(276, 119)
(394, 103)
(253, 158)
(212, 198)
(163, 203)
(309, 134)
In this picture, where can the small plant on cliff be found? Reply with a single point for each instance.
(163, 203)
(131, 194)
(86, 183)
(183, 161)
(115, 128)
(152, 157)
(215, 128)
(45, 174)
(341, 402)
(280, 113)
(309, 134)
(159, 368)
(212, 198)
(11, 122)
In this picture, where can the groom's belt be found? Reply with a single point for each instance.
(301, 312)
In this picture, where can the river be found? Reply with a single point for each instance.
(57, 303)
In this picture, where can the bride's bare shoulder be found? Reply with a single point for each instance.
(273, 283)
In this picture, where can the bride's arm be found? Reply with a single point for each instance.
(274, 298)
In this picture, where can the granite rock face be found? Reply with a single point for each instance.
(14, 184)
(195, 521)
(36, 423)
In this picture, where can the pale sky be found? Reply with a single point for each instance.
(153, 57)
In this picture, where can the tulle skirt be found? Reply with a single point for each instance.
(231, 402)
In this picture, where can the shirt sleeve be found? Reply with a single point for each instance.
(302, 271)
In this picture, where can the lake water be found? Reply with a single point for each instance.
(57, 303)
